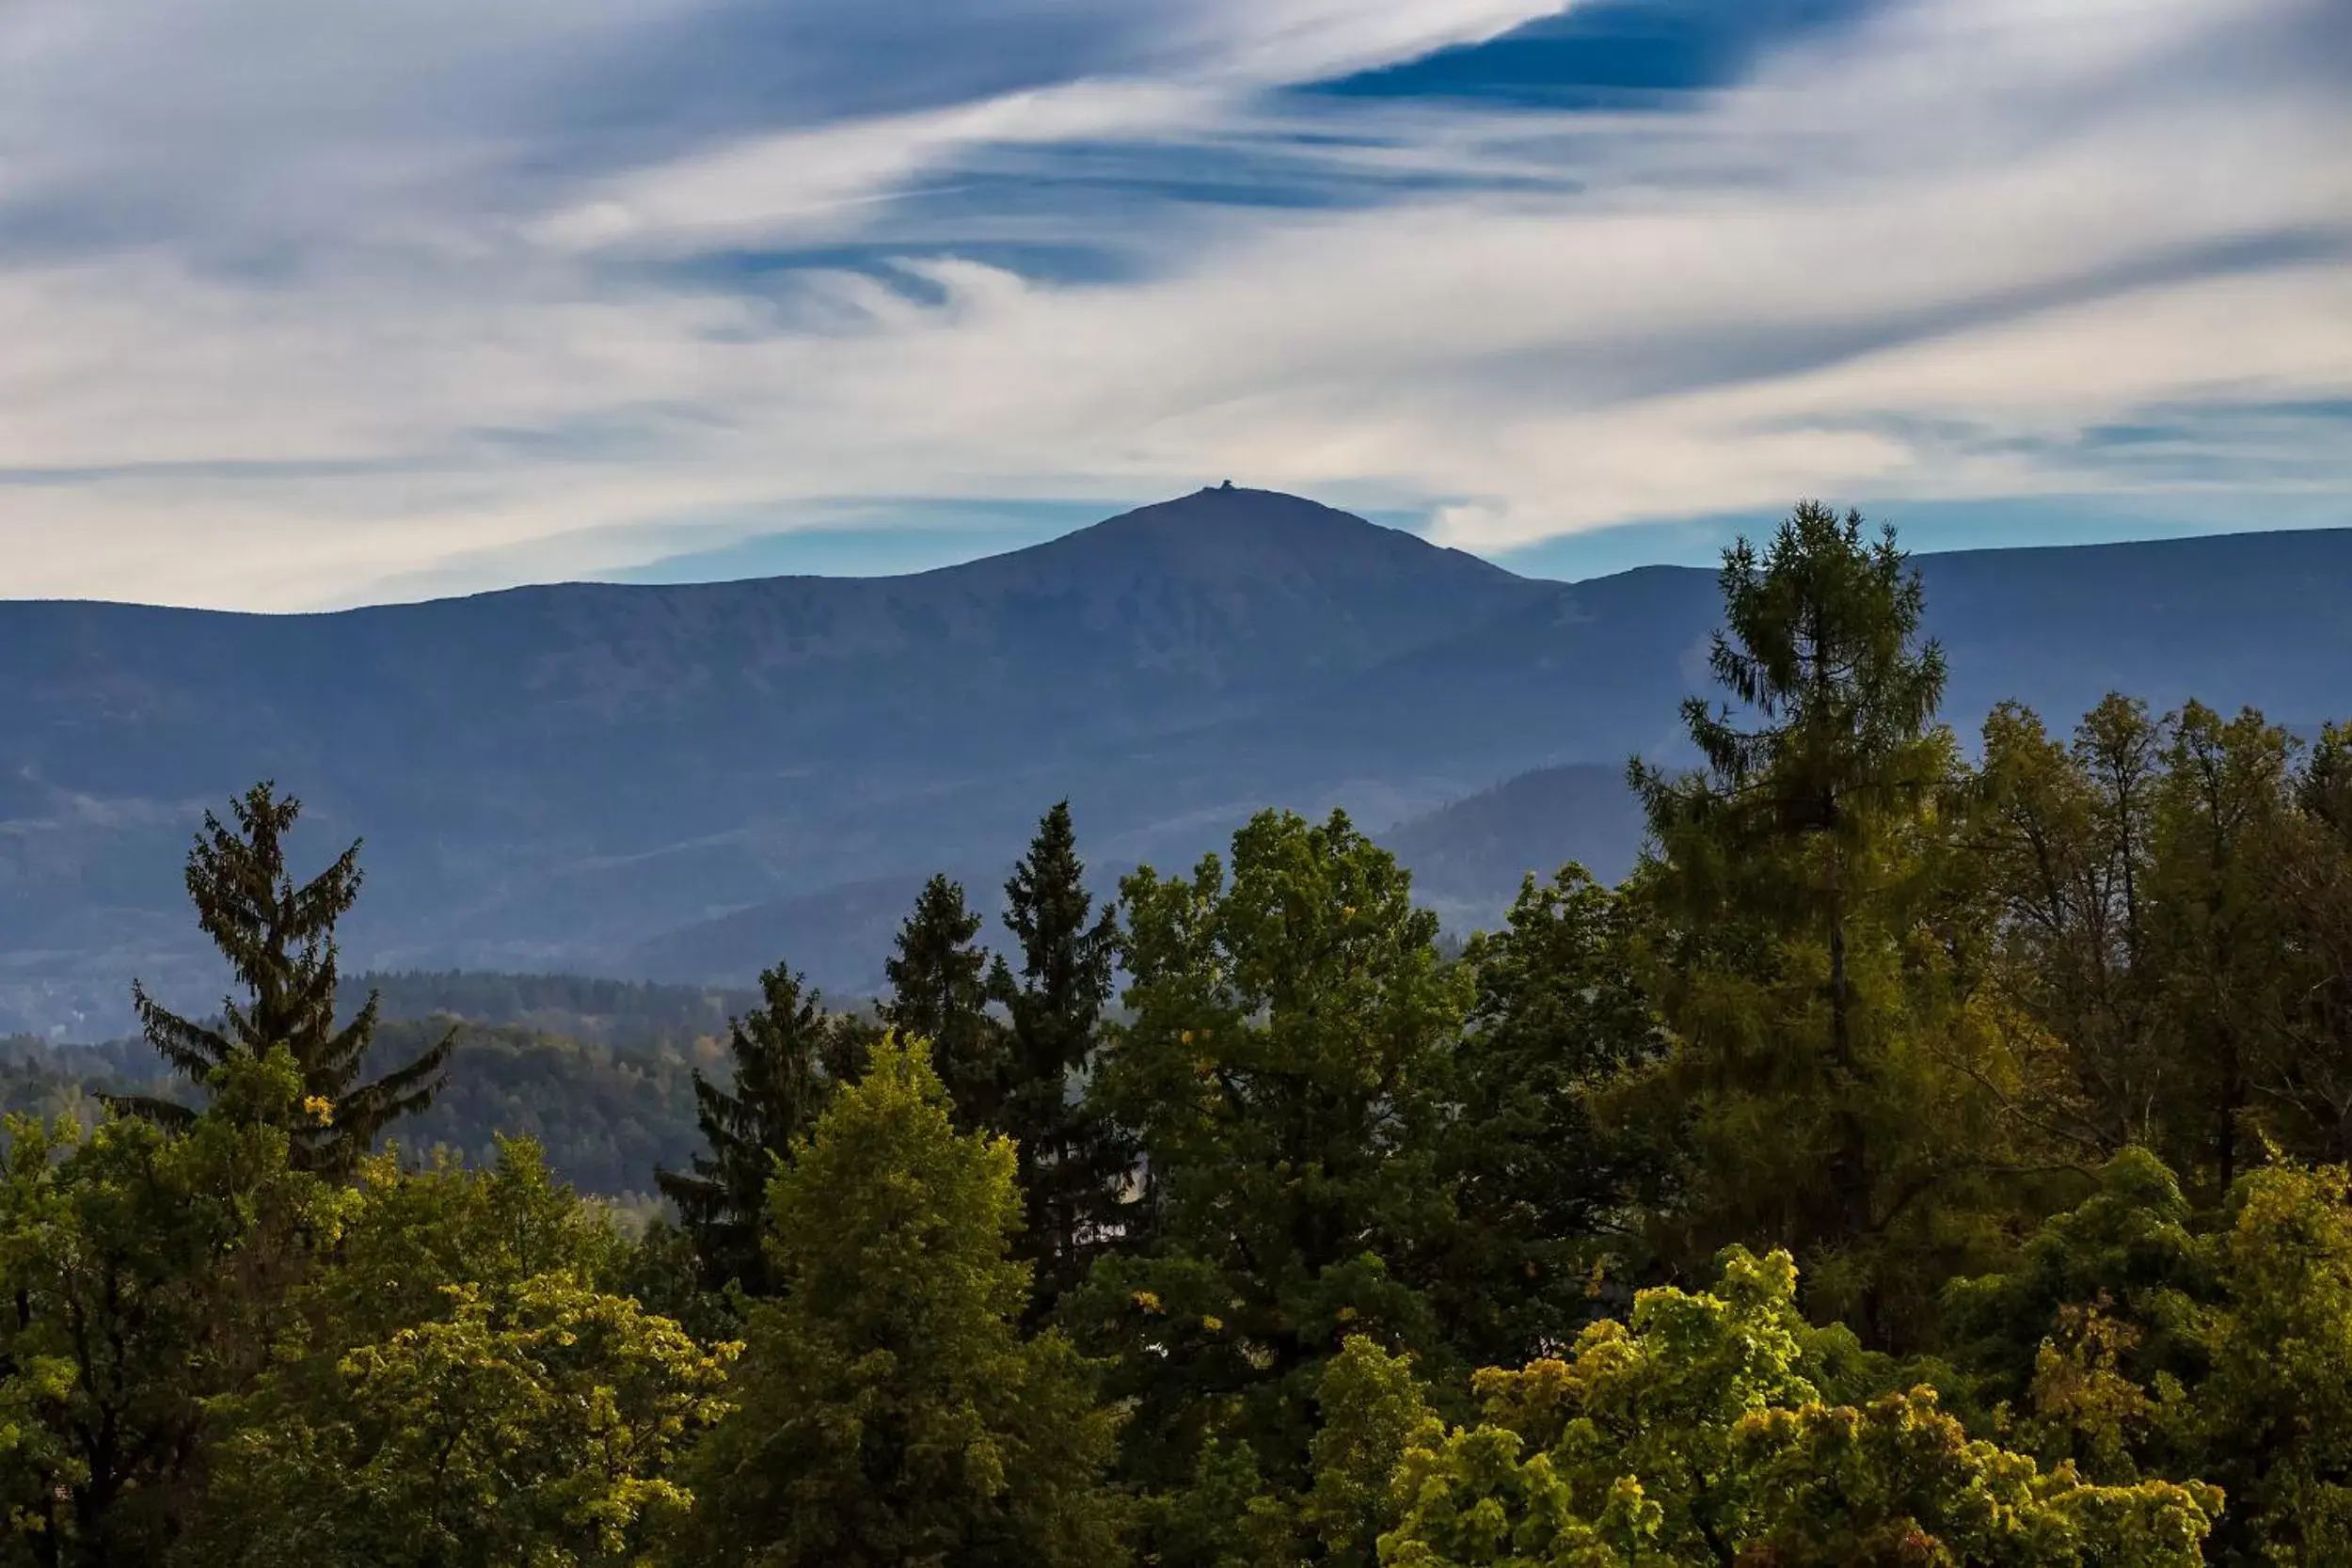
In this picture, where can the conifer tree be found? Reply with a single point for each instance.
(1817, 1001)
(279, 941)
(1074, 1163)
(888, 1410)
(789, 1056)
(939, 992)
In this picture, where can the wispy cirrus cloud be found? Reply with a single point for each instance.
(307, 307)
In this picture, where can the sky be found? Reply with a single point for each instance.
(305, 305)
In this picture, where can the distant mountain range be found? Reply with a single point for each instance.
(688, 783)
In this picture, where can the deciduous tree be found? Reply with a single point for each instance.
(1286, 1068)
(890, 1411)
(1699, 1432)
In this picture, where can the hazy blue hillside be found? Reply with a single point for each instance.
(688, 781)
(1467, 858)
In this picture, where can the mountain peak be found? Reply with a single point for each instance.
(1231, 532)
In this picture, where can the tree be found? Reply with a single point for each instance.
(531, 1424)
(460, 1384)
(2132, 1342)
(2272, 1419)
(2302, 1072)
(1374, 1412)
(890, 1412)
(1285, 1069)
(1541, 1184)
(939, 992)
(1704, 1431)
(2175, 913)
(279, 942)
(2067, 837)
(789, 1057)
(2103, 1297)
(2220, 817)
(146, 1275)
(1075, 1165)
(1828, 1078)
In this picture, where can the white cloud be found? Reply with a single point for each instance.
(1917, 262)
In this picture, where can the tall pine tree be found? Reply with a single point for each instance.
(1074, 1163)
(939, 992)
(789, 1057)
(279, 942)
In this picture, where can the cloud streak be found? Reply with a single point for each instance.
(366, 315)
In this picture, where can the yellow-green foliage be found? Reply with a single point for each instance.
(457, 1383)
(1692, 1433)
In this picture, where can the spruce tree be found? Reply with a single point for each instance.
(1074, 1163)
(789, 1056)
(939, 994)
(279, 941)
(887, 1409)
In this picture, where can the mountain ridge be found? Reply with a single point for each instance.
(572, 775)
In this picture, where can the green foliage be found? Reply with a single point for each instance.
(1694, 1433)
(458, 1384)
(415, 1232)
(890, 1412)
(2103, 1299)
(2176, 929)
(2135, 1341)
(1074, 1161)
(1832, 1085)
(1374, 1412)
(606, 1118)
(1285, 1070)
(789, 1057)
(278, 940)
(531, 1424)
(1545, 1190)
(146, 1273)
(2066, 837)
(939, 988)
(2272, 1420)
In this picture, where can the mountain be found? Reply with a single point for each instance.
(691, 782)
(550, 776)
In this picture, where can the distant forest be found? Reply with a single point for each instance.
(1930, 1153)
(630, 1014)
